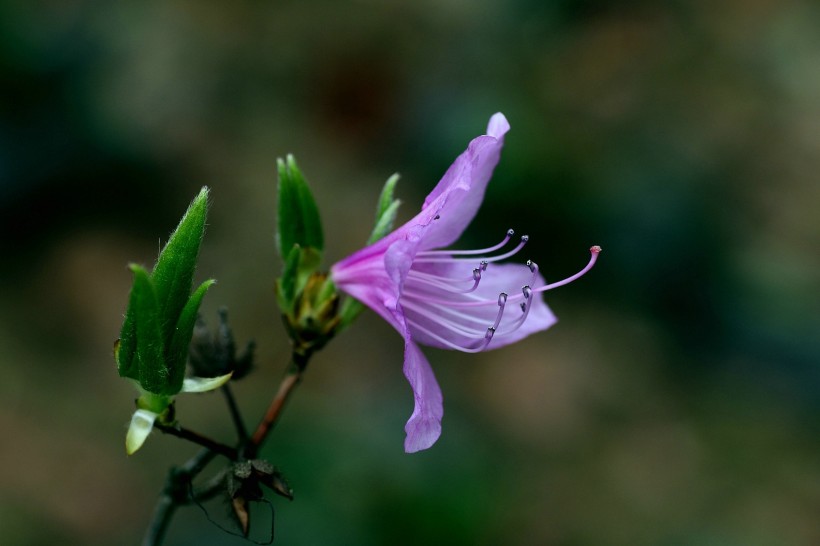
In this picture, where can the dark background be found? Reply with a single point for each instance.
(676, 401)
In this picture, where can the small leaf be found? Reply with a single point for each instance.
(298, 221)
(386, 210)
(204, 384)
(309, 261)
(178, 350)
(385, 222)
(286, 284)
(386, 197)
(126, 347)
(153, 372)
(174, 272)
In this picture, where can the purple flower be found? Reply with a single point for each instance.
(462, 300)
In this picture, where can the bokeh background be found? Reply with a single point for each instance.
(677, 401)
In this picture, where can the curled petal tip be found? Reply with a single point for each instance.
(498, 125)
(422, 437)
(142, 422)
(204, 384)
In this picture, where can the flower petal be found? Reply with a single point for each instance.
(424, 426)
(204, 384)
(142, 422)
(498, 125)
(457, 197)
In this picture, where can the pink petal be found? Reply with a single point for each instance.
(498, 125)
(457, 197)
(424, 426)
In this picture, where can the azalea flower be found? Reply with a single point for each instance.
(462, 300)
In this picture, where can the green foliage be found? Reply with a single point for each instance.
(298, 218)
(300, 264)
(149, 356)
(161, 314)
(386, 210)
(174, 272)
(177, 353)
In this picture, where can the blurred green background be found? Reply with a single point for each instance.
(677, 401)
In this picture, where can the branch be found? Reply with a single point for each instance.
(195, 437)
(174, 494)
(236, 416)
(289, 383)
(176, 491)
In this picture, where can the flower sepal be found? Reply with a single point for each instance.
(313, 317)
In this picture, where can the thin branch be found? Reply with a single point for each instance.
(195, 437)
(286, 387)
(236, 416)
(177, 488)
(174, 494)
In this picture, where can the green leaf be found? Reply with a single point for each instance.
(298, 221)
(386, 210)
(178, 350)
(150, 358)
(386, 197)
(126, 347)
(174, 272)
(384, 224)
(286, 284)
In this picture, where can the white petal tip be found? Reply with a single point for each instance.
(498, 125)
(141, 424)
(204, 384)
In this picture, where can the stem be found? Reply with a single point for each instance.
(195, 437)
(292, 378)
(176, 491)
(235, 415)
(174, 494)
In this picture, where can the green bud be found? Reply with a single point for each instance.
(313, 317)
(159, 321)
(298, 221)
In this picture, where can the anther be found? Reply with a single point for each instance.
(502, 298)
(483, 265)
(476, 274)
(527, 291)
(510, 232)
(437, 217)
(531, 265)
(525, 238)
(595, 249)
(490, 332)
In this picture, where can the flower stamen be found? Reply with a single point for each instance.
(444, 282)
(493, 248)
(442, 256)
(594, 251)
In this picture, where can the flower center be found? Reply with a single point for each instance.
(454, 299)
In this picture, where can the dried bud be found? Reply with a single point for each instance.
(215, 354)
